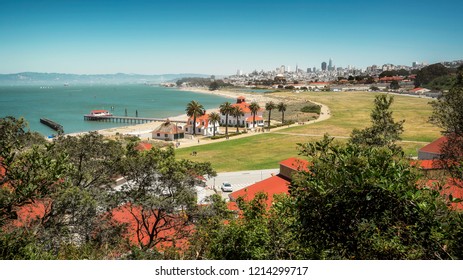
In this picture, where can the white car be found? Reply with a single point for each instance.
(226, 187)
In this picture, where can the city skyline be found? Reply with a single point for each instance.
(144, 37)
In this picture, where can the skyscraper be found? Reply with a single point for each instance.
(330, 65)
(323, 66)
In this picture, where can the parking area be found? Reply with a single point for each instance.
(238, 180)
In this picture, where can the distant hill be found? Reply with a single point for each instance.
(34, 78)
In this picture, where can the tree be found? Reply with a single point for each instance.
(269, 106)
(448, 109)
(282, 108)
(362, 202)
(194, 109)
(95, 159)
(160, 196)
(28, 172)
(214, 86)
(448, 115)
(429, 73)
(394, 85)
(259, 232)
(384, 131)
(226, 109)
(214, 118)
(254, 107)
(370, 80)
(237, 112)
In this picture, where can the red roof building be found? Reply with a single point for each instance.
(432, 150)
(170, 230)
(247, 119)
(391, 79)
(278, 184)
(202, 126)
(143, 146)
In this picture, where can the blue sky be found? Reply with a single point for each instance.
(219, 37)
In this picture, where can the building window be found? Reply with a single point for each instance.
(159, 134)
(166, 135)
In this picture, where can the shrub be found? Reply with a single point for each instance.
(313, 108)
(229, 135)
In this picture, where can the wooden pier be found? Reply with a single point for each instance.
(53, 125)
(121, 119)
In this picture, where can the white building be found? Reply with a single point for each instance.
(246, 120)
(203, 126)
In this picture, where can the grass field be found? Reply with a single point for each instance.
(348, 111)
(351, 110)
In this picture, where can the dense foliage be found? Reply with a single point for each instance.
(365, 203)
(448, 115)
(58, 200)
(427, 74)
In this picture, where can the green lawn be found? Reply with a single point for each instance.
(348, 110)
(262, 151)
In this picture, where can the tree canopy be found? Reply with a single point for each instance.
(384, 131)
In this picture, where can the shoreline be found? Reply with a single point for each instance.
(144, 130)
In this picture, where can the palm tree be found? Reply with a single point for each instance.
(194, 109)
(254, 107)
(269, 106)
(214, 118)
(225, 109)
(237, 112)
(282, 108)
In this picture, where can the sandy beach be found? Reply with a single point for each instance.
(143, 131)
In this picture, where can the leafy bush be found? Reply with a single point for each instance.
(313, 108)
(229, 135)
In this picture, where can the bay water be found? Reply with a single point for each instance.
(67, 105)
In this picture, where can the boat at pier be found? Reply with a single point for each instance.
(100, 113)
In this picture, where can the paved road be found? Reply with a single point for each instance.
(238, 180)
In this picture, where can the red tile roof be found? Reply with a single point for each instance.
(29, 213)
(249, 119)
(126, 215)
(434, 147)
(204, 118)
(428, 164)
(394, 78)
(232, 206)
(99, 111)
(451, 187)
(296, 164)
(143, 146)
(271, 186)
(417, 89)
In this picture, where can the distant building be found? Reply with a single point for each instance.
(323, 66)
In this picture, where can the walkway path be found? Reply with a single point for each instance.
(324, 115)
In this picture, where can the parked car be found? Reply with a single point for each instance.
(226, 187)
